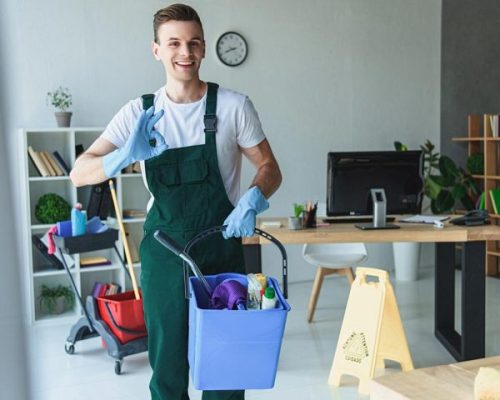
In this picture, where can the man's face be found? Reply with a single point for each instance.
(181, 48)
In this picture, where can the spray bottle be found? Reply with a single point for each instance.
(78, 220)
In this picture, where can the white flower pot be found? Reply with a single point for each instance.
(406, 259)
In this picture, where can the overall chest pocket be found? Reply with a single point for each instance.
(180, 188)
(193, 175)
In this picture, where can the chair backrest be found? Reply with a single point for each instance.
(334, 248)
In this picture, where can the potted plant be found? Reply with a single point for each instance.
(445, 184)
(61, 99)
(295, 222)
(52, 208)
(56, 300)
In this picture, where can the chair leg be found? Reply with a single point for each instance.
(349, 275)
(318, 281)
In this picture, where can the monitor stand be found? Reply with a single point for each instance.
(379, 212)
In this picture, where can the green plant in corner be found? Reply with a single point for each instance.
(57, 299)
(298, 209)
(60, 98)
(450, 186)
(445, 184)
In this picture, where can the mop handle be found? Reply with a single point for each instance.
(272, 239)
(125, 242)
(175, 248)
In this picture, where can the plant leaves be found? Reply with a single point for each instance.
(448, 168)
(444, 201)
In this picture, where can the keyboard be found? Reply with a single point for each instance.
(353, 220)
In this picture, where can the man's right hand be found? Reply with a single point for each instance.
(138, 146)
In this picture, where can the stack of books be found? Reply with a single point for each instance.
(105, 289)
(47, 163)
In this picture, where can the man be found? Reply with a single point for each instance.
(192, 170)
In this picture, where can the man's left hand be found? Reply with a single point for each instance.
(241, 221)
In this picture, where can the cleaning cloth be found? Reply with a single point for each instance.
(229, 294)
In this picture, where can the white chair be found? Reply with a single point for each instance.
(332, 258)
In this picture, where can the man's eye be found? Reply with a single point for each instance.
(194, 44)
(173, 44)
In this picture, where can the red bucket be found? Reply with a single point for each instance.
(124, 315)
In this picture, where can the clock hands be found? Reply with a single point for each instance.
(230, 49)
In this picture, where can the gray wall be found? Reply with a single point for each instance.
(470, 68)
(14, 382)
(329, 75)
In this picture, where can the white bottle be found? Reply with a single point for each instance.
(269, 299)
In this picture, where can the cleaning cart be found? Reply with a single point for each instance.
(118, 318)
(123, 334)
(230, 349)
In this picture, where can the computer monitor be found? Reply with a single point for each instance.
(351, 175)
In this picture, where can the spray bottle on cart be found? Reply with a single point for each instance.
(78, 220)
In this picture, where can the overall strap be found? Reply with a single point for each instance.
(210, 118)
(147, 101)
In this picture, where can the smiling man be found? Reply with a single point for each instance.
(190, 152)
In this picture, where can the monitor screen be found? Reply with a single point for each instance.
(351, 175)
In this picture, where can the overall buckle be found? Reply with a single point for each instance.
(210, 122)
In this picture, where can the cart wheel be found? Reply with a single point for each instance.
(118, 367)
(69, 348)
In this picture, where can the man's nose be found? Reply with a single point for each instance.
(186, 49)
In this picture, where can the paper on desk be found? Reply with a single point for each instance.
(424, 219)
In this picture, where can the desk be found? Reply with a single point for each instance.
(471, 343)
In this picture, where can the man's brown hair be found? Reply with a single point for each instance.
(174, 12)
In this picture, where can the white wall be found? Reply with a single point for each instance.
(324, 75)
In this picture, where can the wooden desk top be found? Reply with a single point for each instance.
(346, 233)
(444, 382)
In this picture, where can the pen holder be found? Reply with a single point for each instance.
(309, 218)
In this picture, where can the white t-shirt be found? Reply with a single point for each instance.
(238, 125)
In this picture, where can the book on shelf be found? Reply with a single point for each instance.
(94, 261)
(57, 170)
(481, 202)
(43, 154)
(133, 213)
(105, 289)
(99, 203)
(38, 162)
(132, 247)
(61, 162)
(495, 199)
(494, 120)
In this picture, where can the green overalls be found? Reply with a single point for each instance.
(189, 196)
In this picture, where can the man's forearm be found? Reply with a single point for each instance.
(88, 170)
(268, 179)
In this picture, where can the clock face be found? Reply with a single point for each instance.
(232, 49)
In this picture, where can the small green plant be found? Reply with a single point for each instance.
(52, 208)
(298, 209)
(60, 98)
(400, 146)
(49, 298)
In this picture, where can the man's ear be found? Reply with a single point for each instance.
(155, 48)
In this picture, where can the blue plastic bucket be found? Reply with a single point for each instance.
(234, 349)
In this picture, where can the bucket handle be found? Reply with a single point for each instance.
(122, 328)
(216, 229)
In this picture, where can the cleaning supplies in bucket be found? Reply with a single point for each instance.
(78, 220)
(229, 294)
(269, 299)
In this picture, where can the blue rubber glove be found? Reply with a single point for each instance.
(241, 221)
(137, 147)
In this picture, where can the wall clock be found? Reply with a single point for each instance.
(232, 49)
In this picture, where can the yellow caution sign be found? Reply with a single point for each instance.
(371, 331)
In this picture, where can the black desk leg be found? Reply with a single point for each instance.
(469, 345)
(473, 300)
(253, 258)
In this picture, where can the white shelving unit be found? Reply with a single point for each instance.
(131, 193)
